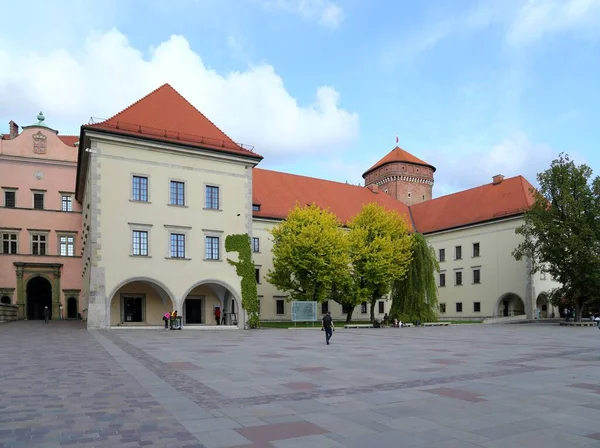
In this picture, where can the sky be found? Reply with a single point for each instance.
(323, 87)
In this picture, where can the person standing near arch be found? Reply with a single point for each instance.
(46, 314)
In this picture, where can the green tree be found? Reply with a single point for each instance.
(414, 297)
(380, 249)
(309, 252)
(343, 291)
(562, 231)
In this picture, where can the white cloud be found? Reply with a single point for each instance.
(323, 12)
(252, 106)
(538, 18)
(515, 155)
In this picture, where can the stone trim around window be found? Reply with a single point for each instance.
(63, 233)
(185, 193)
(139, 227)
(148, 188)
(179, 230)
(9, 190)
(214, 234)
(220, 196)
(46, 242)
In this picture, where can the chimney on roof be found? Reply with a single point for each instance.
(14, 129)
(497, 179)
(374, 188)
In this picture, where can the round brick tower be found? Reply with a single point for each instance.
(402, 176)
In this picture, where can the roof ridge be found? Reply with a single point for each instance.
(138, 101)
(167, 85)
(198, 110)
(462, 191)
(312, 177)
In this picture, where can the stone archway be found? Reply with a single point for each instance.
(39, 296)
(510, 304)
(5, 300)
(27, 271)
(201, 300)
(139, 301)
(542, 306)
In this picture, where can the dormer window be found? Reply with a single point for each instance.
(256, 207)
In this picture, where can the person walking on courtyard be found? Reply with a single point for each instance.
(328, 326)
(46, 314)
(218, 315)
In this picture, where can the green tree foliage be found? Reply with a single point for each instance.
(414, 297)
(343, 291)
(562, 232)
(380, 248)
(309, 253)
(244, 267)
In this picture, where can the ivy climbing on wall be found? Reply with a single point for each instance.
(244, 267)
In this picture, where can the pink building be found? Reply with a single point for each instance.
(40, 222)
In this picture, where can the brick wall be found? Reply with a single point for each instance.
(400, 179)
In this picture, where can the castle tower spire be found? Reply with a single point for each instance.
(403, 176)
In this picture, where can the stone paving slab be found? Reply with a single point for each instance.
(460, 386)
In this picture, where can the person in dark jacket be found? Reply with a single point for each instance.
(327, 326)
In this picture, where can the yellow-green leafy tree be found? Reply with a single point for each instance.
(309, 252)
(380, 248)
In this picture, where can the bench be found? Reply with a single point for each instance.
(436, 324)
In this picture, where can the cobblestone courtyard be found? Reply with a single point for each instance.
(529, 385)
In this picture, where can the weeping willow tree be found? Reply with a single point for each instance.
(414, 297)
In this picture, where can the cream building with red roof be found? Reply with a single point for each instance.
(161, 186)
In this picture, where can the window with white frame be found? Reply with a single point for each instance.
(212, 248)
(66, 203)
(255, 244)
(177, 193)
(139, 243)
(10, 242)
(139, 188)
(177, 245)
(39, 243)
(212, 197)
(66, 244)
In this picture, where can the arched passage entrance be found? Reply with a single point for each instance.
(211, 302)
(39, 295)
(5, 300)
(139, 301)
(71, 308)
(542, 305)
(510, 304)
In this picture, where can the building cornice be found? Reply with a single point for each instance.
(36, 161)
(475, 225)
(404, 178)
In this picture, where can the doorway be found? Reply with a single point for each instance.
(193, 311)
(5, 300)
(39, 295)
(133, 309)
(72, 308)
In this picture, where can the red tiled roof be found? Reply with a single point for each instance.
(398, 155)
(69, 140)
(165, 115)
(484, 203)
(277, 193)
